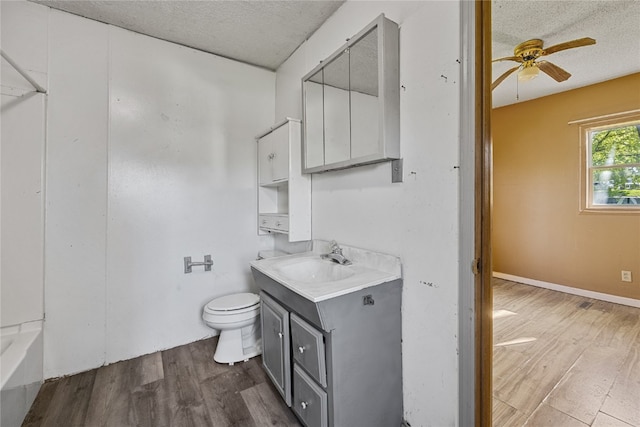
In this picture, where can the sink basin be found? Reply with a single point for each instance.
(317, 279)
(313, 270)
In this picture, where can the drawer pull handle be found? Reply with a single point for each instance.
(301, 349)
(304, 405)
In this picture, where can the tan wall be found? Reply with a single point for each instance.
(538, 231)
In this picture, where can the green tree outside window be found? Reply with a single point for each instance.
(615, 165)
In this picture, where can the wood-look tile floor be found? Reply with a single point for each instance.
(561, 360)
(179, 387)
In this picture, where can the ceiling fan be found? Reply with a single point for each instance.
(527, 54)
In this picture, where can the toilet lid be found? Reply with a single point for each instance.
(233, 302)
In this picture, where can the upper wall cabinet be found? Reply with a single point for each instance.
(284, 193)
(351, 102)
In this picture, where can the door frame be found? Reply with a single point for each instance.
(476, 296)
(484, 201)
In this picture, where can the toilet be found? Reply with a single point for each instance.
(237, 317)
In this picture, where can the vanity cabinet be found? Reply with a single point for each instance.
(336, 362)
(284, 193)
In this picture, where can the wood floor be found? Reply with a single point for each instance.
(559, 361)
(179, 387)
(564, 360)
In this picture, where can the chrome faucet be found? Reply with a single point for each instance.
(336, 254)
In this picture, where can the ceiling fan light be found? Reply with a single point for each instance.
(528, 73)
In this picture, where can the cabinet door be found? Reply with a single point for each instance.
(265, 157)
(273, 156)
(275, 345)
(280, 151)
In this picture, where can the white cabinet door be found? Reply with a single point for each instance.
(280, 148)
(273, 156)
(265, 154)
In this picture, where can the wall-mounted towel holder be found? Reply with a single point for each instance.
(188, 264)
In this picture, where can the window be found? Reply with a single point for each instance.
(611, 163)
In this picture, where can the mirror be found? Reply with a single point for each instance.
(363, 61)
(314, 113)
(351, 102)
(337, 143)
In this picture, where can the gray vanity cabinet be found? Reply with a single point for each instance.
(275, 345)
(339, 361)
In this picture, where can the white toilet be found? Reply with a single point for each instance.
(237, 317)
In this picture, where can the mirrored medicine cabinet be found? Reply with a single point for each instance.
(351, 102)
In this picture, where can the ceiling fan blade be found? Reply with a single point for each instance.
(586, 41)
(502, 77)
(509, 58)
(555, 72)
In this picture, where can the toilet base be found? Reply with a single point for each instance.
(238, 345)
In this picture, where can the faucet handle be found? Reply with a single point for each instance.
(335, 248)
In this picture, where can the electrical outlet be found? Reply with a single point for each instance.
(626, 276)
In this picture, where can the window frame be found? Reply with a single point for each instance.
(586, 167)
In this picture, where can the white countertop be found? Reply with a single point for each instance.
(368, 268)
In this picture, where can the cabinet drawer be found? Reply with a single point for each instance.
(309, 400)
(274, 222)
(307, 344)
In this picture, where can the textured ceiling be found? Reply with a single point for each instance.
(265, 33)
(614, 24)
(262, 33)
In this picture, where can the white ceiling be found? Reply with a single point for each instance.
(262, 33)
(265, 33)
(614, 24)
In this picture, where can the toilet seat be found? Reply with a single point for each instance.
(233, 304)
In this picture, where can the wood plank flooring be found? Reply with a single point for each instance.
(563, 360)
(179, 387)
(559, 361)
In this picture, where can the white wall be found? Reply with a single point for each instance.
(417, 219)
(182, 182)
(150, 157)
(24, 39)
(76, 208)
(22, 208)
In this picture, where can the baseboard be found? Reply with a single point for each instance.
(569, 290)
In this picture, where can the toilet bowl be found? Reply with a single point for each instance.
(237, 317)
